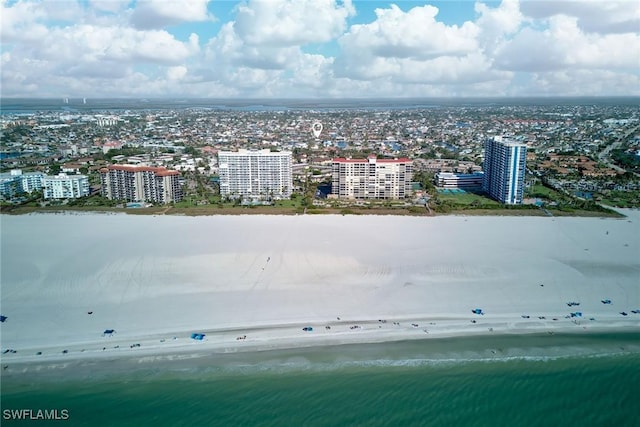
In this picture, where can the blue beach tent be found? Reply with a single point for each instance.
(3, 318)
(198, 337)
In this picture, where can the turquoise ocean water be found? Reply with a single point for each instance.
(577, 380)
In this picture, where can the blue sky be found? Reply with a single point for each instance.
(318, 48)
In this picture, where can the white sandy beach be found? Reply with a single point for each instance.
(156, 280)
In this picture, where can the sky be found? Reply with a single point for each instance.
(318, 48)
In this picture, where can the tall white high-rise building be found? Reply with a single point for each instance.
(504, 169)
(255, 173)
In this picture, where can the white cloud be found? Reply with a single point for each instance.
(311, 73)
(496, 24)
(413, 47)
(12, 81)
(149, 14)
(291, 22)
(565, 46)
(176, 73)
(271, 48)
(610, 16)
(471, 68)
(21, 22)
(86, 43)
(582, 83)
(67, 11)
(229, 50)
(112, 6)
(412, 34)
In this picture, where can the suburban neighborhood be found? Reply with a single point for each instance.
(577, 156)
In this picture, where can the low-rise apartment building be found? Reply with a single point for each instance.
(463, 181)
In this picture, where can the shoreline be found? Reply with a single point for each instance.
(436, 350)
(67, 278)
(610, 212)
(263, 338)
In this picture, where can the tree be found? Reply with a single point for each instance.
(425, 179)
(191, 150)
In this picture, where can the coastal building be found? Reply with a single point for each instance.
(111, 145)
(371, 178)
(255, 173)
(445, 165)
(10, 185)
(31, 181)
(135, 183)
(463, 181)
(504, 169)
(15, 182)
(63, 186)
(106, 120)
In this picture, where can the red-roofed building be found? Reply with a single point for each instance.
(135, 183)
(371, 178)
(111, 145)
(208, 150)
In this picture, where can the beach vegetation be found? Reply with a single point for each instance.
(444, 203)
(416, 209)
(620, 199)
(540, 191)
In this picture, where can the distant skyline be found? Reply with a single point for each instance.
(318, 48)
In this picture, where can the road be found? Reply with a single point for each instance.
(603, 156)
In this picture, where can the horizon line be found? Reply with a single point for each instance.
(328, 98)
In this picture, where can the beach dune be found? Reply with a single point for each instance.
(253, 282)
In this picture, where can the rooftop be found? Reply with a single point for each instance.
(159, 171)
(371, 159)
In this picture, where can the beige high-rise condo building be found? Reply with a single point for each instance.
(371, 178)
(141, 184)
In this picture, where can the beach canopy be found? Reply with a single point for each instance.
(606, 301)
(108, 332)
(477, 311)
(197, 336)
(3, 318)
(307, 329)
